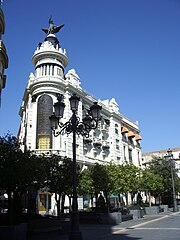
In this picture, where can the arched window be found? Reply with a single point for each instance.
(43, 132)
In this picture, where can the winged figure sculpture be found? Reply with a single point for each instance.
(52, 28)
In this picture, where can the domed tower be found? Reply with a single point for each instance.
(44, 86)
(50, 59)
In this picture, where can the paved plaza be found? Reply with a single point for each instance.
(164, 226)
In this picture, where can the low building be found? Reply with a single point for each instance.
(148, 156)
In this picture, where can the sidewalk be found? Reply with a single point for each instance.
(99, 231)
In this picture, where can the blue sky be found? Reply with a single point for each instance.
(126, 49)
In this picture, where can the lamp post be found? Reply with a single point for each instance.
(74, 126)
(170, 158)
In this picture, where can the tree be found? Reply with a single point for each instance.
(151, 183)
(18, 172)
(110, 179)
(85, 185)
(59, 178)
(162, 167)
(101, 181)
(127, 179)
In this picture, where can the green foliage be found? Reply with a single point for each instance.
(58, 174)
(21, 170)
(18, 170)
(85, 183)
(100, 178)
(162, 168)
(109, 179)
(151, 182)
(126, 178)
(111, 169)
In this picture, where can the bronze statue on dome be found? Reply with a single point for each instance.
(52, 28)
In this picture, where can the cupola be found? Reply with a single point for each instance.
(49, 57)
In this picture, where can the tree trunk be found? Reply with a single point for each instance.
(127, 202)
(96, 196)
(57, 198)
(58, 207)
(160, 201)
(32, 196)
(107, 202)
(149, 197)
(17, 208)
(70, 204)
(91, 197)
(62, 202)
(10, 209)
(106, 205)
(119, 200)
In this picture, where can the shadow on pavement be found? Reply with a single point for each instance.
(104, 233)
(59, 236)
(117, 237)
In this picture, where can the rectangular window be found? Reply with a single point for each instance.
(116, 130)
(52, 69)
(138, 144)
(130, 140)
(117, 144)
(43, 141)
(124, 137)
(124, 149)
(130, 156)
(58, 71)
(139, 158)
(45, 69)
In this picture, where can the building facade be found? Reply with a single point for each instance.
(148, 156)
(116, 139)
(3, 55)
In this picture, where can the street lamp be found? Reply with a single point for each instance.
(170, 158)
(75, 126)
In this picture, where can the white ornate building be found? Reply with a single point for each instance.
(116, 139)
